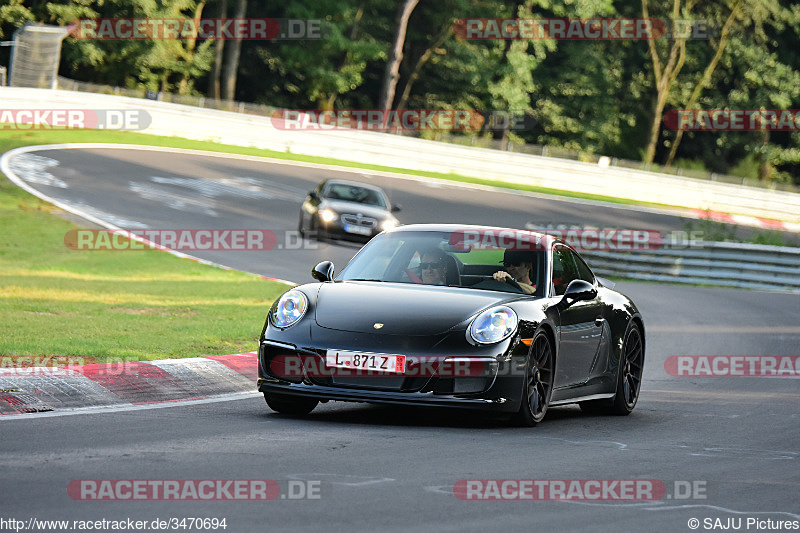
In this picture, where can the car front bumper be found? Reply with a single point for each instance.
(498, 388)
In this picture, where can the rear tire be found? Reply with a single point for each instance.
(289, 405)
(629, 378)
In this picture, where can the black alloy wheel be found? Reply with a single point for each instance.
(629, 378)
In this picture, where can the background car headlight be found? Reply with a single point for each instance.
(388, 224)
(290, 308)
(493, 325)
(327, 215)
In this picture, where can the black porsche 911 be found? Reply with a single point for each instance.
(474, 317)
(346, 210)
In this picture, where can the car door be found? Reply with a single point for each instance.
(580, 325)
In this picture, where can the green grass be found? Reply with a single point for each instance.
(13, 139)
(113, 306)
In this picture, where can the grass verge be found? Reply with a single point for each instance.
(111, 306)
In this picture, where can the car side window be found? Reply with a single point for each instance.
(564, 269)
(584, 272)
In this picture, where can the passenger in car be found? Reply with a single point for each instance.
(433, 267)
(518, 267)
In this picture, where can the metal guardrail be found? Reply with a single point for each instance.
(750, 266)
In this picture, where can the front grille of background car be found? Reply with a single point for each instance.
(367, 222)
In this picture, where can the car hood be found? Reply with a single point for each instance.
(403, 309)
(354, 207)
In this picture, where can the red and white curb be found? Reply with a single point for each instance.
(745, 220)
(42, 389)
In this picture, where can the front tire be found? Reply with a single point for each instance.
(538, 382)
(629, 378)
(289, 405)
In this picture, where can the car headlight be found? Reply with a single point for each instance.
(388, 224)
(290, 308)
(493, 325)
(327, 215)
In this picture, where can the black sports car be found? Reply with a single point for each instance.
(431, 315)
(346, 210)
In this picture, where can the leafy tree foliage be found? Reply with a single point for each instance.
(603, 96)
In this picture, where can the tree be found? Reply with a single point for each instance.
(233, 51)
(326, 72)
(165, 64)
(214, 90)
(392, 72)
(13, 14)
(435, 26)
(665, 72)
(705, 79)
(765, 82)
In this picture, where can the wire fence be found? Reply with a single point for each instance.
(190, 100)
(445, 137)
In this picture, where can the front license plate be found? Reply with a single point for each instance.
(378, 362)
(360, 230)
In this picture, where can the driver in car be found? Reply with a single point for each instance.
(518, 267)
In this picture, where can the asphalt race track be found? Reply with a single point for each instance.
(723, 448)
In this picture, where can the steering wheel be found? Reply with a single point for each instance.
(513, 283)
(504, 286)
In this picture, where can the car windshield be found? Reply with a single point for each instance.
(459, 258)
(353, 193)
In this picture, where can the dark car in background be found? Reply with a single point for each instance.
(346, 210)
(378, 333)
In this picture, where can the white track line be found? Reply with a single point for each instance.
(129, 407)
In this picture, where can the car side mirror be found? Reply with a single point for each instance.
(323, 272)
(396, 208)
(313, 195)
(577, 290)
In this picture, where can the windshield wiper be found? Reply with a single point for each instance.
(364, 279)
